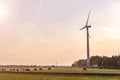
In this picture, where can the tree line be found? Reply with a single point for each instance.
(100, 62)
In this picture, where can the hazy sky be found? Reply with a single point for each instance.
(44, 32)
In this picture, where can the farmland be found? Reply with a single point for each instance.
(12, 76)
(62, 69)
(41, 74)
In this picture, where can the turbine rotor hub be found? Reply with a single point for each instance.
(88, 26)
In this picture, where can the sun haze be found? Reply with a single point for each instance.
(44, 32)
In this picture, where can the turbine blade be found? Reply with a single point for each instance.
(88, 18)
(82, 28)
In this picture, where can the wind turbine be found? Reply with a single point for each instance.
(87, 29)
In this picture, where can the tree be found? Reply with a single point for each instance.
(101, 62)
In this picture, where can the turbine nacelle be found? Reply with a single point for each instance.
(88, 26)
(85, 27)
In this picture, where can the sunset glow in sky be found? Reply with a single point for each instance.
(44, 32)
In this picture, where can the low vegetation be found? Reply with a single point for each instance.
(31, 76)
(5, 76)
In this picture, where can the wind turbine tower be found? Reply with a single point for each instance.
(88, 36)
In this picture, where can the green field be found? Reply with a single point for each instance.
(11, 76)
(31, 76)
(77, 70)
(71, 69)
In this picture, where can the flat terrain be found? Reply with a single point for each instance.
(77, 70)
(69, 70)
(11, 76)
(31, 76)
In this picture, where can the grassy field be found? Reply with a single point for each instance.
(11, 76)
(20, 76)
(77, 70)
(73, 70)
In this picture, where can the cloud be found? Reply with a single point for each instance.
(112, 32)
